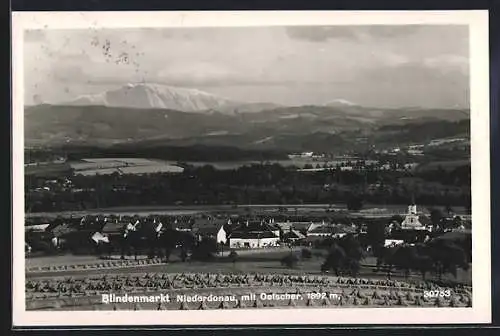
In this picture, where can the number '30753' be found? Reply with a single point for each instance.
(437, 293)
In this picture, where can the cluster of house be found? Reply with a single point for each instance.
(439, 142)
(233, 232)
(363, 165)
(306, 155)
(239, 232)
(54, 185)
(415, 220)
(419, 149)
(262, 233)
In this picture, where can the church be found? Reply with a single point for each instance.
(412, 220)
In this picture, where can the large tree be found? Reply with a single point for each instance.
(436, 217)
(345, 255)
(290, 260)
(376, 236)
(447, 256)
(205, 249)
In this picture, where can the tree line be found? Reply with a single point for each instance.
(439, 256)
(256, 184)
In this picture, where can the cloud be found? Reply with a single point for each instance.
(417, 84)
(387, 59)
(448, 62)
(281, 64)
(197, 72)
(321, 34)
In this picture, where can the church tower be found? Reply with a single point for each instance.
(411, 220)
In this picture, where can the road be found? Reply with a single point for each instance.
(369, 209)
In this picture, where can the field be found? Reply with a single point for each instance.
(132, 165)
(253, 273)
(123, 166)
(143, 166)
(47, 169)
(260, 261)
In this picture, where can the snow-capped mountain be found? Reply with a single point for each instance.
(155, 96)
(340, 102)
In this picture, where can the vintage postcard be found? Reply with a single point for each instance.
(287, 167)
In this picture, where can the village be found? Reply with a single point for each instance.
(248, 251)
(241, 232)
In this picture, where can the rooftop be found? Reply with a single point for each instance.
(252, 235)
(293, 234)
(209, 230)
(255, 226)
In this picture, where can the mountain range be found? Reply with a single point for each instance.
(156, 96)
(157, 114)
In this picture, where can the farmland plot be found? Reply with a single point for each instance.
(106, 166)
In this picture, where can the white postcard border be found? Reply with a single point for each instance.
(479, 90)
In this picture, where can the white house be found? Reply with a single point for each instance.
(393, 242)
(216, 232)
(221, 235)
(36, 228)
(99, 238)
(254, 234)
(253, 240)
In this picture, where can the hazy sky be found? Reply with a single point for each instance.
(368, 65)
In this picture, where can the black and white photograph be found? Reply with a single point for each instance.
(323, 163)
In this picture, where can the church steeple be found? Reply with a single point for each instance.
(412, 219)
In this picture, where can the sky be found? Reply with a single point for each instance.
(379, 66)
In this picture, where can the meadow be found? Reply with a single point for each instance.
(142, 166)
(252, 273)
(257, 261)
(123, 166)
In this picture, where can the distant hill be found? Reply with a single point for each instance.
(52, 124)
(363, 114)
(316, 128)
(422, 132)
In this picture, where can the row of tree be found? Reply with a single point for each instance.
(261, 184)
(266, 175)
(438, 256)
